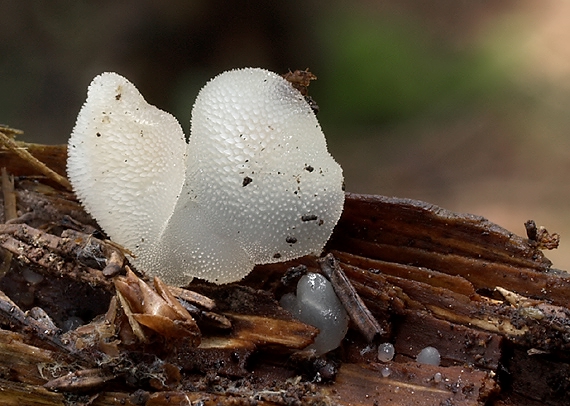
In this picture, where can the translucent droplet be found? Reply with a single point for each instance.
(429, 356)
(385, 352)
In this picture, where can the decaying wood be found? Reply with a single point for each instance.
(416, 276)
(21, 321)
(403, 384)
(403, 231)
(50, 252)
(8, 195)
(24, 155)
(9, 212)
(15, 393)
(300, 79)
(540, 236)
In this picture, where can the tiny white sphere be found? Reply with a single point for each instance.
(385, 352)
(429, 356)
(386, 372)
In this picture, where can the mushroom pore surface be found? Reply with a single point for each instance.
(255, 183)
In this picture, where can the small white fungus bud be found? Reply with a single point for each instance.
(385, 352)
(316, 304)
(429, 356)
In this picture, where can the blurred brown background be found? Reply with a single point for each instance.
(461, 104)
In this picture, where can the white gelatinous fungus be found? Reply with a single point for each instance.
(316, 304)
(386, 352)
(255, 183)
(429, 355)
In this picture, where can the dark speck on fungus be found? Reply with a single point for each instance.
(290, 240)
(246, 181)
(309, 217)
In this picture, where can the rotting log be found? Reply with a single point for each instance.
(487, 299)
(402, 384)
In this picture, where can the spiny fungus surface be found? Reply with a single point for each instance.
(255, 183)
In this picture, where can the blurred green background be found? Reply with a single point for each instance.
(461, 104)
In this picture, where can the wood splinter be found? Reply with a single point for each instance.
(24, 154)
(10, 212)
(540, 237)
(355, 307)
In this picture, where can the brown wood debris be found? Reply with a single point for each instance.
(19, 151)
(359, 314)
(300, 79)
(541, 237)
(76, 327)
(400, 384)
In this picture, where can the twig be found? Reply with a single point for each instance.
(10, 213)
(21, 321)
(540, 237)
(355, 307)
(80, 380)
(33, 161)
(9, 196)
(50, 251)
